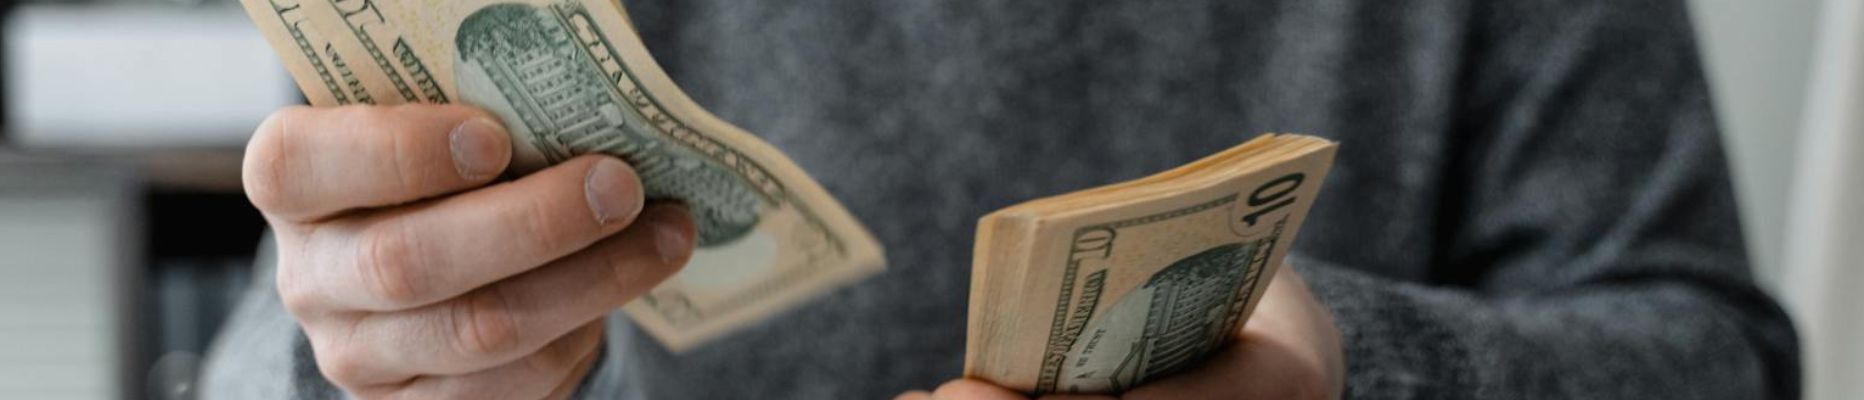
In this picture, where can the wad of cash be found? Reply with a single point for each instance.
(1108, 288)
(571, 77)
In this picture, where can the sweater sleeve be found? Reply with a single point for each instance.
(1591, 247)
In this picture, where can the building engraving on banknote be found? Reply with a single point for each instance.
(1182, 313)
(565, 102)
(550, 72)
(624, 80)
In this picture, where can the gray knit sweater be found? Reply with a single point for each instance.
(1530, 200)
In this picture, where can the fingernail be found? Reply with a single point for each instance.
(670, 240)
(479, 150)
(608, 189)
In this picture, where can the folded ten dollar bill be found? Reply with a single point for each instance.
(1106, 289)
(571, 77)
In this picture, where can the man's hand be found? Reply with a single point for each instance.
(414, 279)
(1289, 349)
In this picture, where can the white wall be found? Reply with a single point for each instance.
(1789, 79)
(1759, 56)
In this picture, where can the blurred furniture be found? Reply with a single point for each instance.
(140, 109)
(68, 279)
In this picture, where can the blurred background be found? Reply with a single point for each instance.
(124, 237)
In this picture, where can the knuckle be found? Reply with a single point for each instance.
(297, 301)
(394, 147)
(552, 364)
(541, 231)
(484, 326)
(388, 261)
(297, 279)
(398, 157)
(564, 356)
(614, 266)
(541, 227)
(343, 365)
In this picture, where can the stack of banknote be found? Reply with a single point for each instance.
(571, 77)
(1107, 288)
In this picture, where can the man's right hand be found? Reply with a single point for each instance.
(415, 277)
